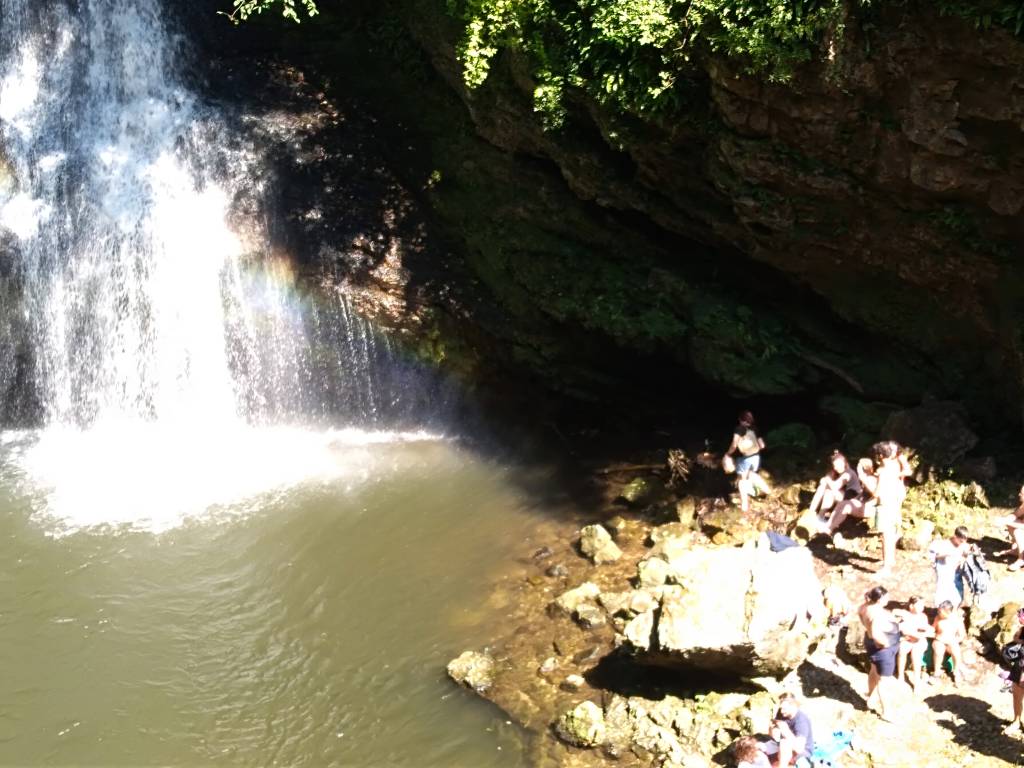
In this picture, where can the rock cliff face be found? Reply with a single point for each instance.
(855, 231)
(889, 181)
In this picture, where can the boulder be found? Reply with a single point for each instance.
(1003, 626)
(742, 612)
(639, 631)
(981, 470)
(472, 669)
(730, 525)
(641, 491)
(686, 512)
(670, 530)
(652, 572)
(917, 535)
(568, 602)
(582, 726)
(589, 615)
(596, 543)
(937, 430)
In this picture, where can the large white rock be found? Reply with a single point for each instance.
(748, 612)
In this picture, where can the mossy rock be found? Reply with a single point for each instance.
(795, 436)
(860, 421)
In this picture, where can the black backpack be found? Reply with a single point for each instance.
(1012, 654)
(976, 573)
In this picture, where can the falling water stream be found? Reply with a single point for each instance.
(231, 527)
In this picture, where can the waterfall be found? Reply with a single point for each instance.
(137, 300)
(130, 307)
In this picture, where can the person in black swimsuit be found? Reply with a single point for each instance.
(1017, 688)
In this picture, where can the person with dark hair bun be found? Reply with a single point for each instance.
(882, 643)
(747, 444)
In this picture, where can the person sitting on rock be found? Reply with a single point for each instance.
(948, 557)
(949, 633)
(863, 505)
(793, 733)
(748, 444)
(1014, 525)
(882, 643)
(748, 753)
(915, 631)
(839, 484)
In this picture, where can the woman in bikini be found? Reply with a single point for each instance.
(747, 444)
(891, 467)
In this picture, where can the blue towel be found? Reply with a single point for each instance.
(828, 749)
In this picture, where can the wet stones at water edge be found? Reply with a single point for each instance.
(596, 543)
(472, 669)
(669, 731)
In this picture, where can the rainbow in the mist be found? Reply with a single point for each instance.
(174, 369)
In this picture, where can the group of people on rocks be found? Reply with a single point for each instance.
(874, 490)
(898, 636)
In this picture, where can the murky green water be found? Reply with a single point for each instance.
(312, 628)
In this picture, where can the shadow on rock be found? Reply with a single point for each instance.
(818, 681)
(620, 673)
(973, 725)
(826, 553)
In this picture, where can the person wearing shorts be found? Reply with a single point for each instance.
(882, 643)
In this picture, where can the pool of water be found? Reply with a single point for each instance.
(306, 624)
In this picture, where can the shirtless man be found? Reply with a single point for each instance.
(949, 633)
(914, 631)
(882, 642)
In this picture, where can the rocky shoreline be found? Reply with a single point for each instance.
(664, 630)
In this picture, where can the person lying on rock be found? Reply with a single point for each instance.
(748, 753)
(747, 444)
(882, 643)
(1014, 525)
(948, 556)
(793, 734)
(949, 633)
(915, 631)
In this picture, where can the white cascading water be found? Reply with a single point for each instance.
(171, 367)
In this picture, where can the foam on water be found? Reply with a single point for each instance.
(153, 477)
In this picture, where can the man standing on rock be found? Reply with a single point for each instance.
(948, 559)
(882, 642)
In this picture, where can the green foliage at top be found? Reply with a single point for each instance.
(243, 9)
(985, 14)
(633, 55)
